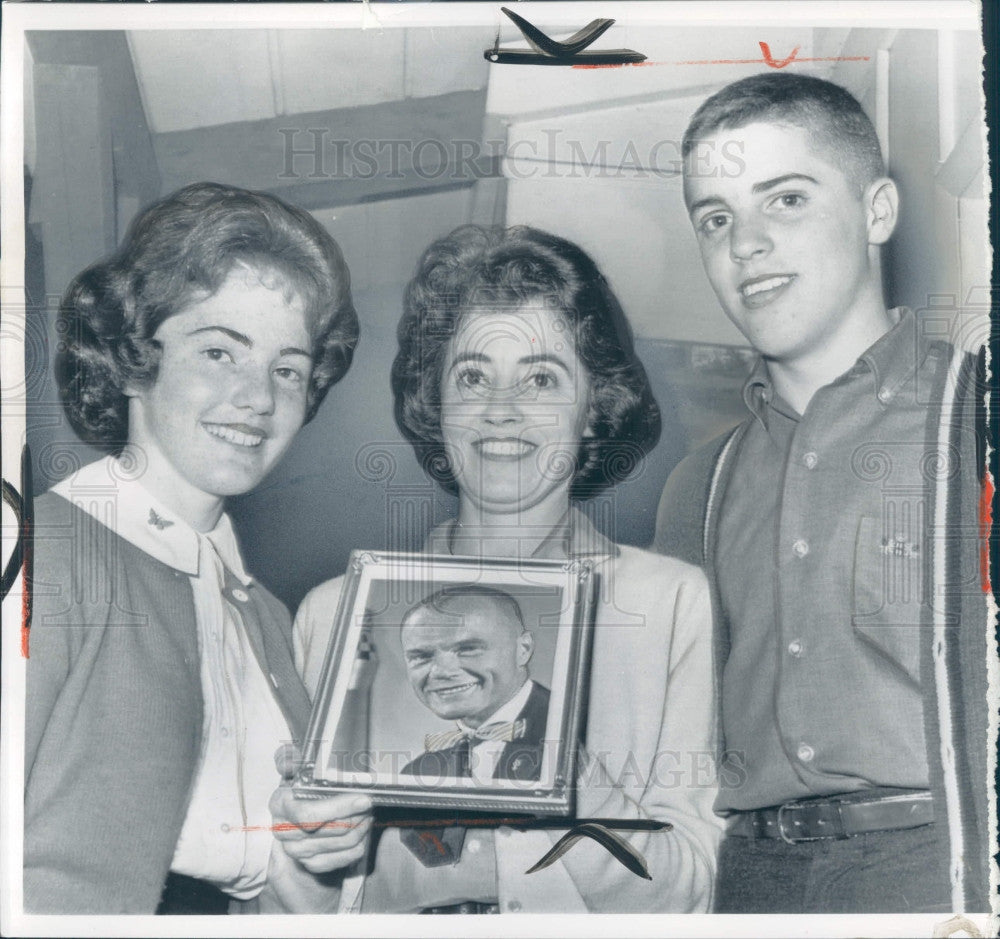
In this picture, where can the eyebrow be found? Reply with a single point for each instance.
(524, 360)
(757, 188)
(473, 641)
(780, 180)
(246, 340)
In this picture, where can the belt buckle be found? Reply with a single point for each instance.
(781, 823)
(839, 834)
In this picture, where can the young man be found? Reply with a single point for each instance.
(838, 526)
(466, 652)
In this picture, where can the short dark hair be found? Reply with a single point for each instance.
(505, 268)
(832, 115)
(177, 249)
(441, 598)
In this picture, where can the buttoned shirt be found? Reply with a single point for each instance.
(226, 837)
(485, 754)
(821, 546)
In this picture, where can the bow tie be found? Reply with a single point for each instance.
(498, 730)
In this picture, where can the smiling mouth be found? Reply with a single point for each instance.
(763, 289)
(504, 448)
(454, 690)
(241, 435)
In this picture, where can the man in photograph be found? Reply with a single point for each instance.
(838, 525)
(466, 651)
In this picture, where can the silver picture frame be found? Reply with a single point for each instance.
(361, 735)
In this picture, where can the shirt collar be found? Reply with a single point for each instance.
(890, 360)
(758, 392)
(893, 358)
(576, 537)
(108, 491)
(506, 712)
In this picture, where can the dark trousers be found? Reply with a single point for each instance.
(188, 896)
(878, 872)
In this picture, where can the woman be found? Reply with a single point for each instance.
(518, 386)
(160, 678)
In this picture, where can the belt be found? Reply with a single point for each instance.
(837, 817)
(469, 906)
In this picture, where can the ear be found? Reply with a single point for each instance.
(525, 646)
(881, 201)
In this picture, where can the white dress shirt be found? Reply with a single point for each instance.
(485, 755)
(226, 837)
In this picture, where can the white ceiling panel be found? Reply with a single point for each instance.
(337, 68)
(383, 241)
(186, 77)
(654, 267)
(457, 57)
(634, 141)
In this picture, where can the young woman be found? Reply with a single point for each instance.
(517, 384)
(160, 679)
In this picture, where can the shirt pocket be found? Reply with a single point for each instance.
(888, 591)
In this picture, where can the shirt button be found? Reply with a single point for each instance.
(225, 731)
(810, 460)
(241, 595)
(795, 647)
(884, 395)
(801, 548)
(514, 906)
(225, 828)
(805, 753)
(474, 846)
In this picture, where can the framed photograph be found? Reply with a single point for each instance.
(454, 683)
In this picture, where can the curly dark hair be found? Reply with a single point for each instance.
(498, 268)
(179, 249)
(832, 115)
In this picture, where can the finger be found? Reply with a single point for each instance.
(334, 828)
(315, 812)
(312, 813)
(287, 760)
(327, 862)
(304, 849)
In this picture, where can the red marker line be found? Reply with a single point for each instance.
(395, 823)
(829, 58)
(290, 826)
(767, 59)
(985, 524)
(25, 631)
(26, 568)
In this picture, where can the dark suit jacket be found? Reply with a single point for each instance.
(519, 759)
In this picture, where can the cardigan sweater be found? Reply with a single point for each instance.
(958, 638)
(114, 713)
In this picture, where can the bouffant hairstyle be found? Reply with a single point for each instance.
(499, 269)
(834, 118)
(178, 250)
